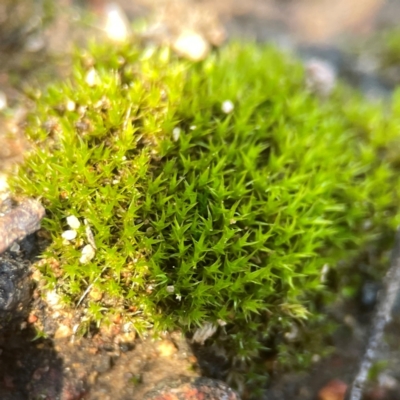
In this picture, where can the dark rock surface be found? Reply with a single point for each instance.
(14, 289)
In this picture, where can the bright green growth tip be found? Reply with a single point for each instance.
(215, 191)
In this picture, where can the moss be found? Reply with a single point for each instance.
(202, 212)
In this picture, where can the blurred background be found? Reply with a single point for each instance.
(359, 40)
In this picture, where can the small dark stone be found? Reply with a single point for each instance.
(104, 364)
(369, 295)
(14, 289)
(125, 347)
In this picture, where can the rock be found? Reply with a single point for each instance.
(20, 222)
(14, 289)
(193, 389)
(69, 234)
(73, 222)
(333, 390)
(103, 364)
(88, 254)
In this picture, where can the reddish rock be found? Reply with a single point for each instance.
(32, 318)
(333, 390)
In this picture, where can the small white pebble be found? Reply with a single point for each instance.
(53, 299)
(73, 222)
(91, 77)
(221, 322)
(69, 234)
(316, 358)
(227, 107)
(191, 45)
(82, 110)
(170, 289)
(127, 327)
(176, 133)
(70, 106)
(15, 248)
(88, 254)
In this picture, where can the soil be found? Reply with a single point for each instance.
(42, 355)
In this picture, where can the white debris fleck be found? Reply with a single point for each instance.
(117, 24)
(91, 77)
(3, 100)
(324, 273)
(89, 234)
(316, 358)
(127, 327)
(193, 127)
(176, 133)
(53, 300)
(204, 332)
(149, 288)
(170, 289)
(227, 107)
(82, 110)
(367, 224)
(88, 254)
(70, 106)
(191, 45)
(293, 334)
(221, 322)
(73, 222)
(320, 77)
(69, 234)
(75, 328)
(178, 297)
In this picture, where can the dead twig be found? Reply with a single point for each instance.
(382, 318)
